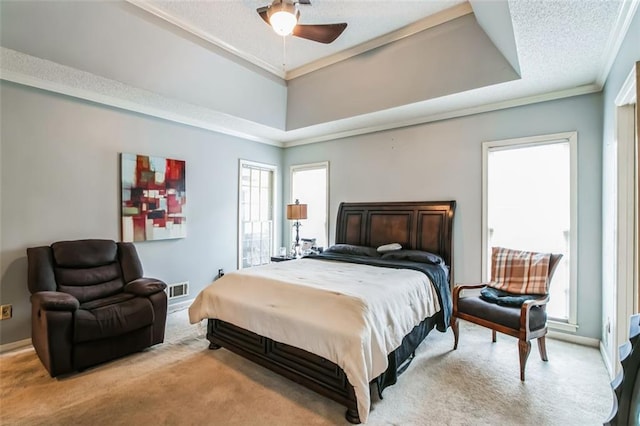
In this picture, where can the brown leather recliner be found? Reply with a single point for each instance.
(90, 304)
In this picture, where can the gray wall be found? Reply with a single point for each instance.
(450, 58)
(443, 161)
(59, 180)
(59, 156)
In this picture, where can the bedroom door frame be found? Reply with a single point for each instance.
(626, 293)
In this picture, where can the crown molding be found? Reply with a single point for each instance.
(621, 27)
(40, 73)
(154, 10)
(627, 92)
(416, 27)
(407, 31)
(30, 71)
(454, 113)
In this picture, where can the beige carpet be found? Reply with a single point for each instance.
(181, 382)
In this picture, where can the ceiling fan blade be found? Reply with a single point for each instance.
(304, 2)
(322, 33)
(262, 11)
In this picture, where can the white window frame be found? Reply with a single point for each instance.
(572, 138)
(274, 201)
(310, 166)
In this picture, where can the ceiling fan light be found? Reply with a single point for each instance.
(283, 17)
(283, 22)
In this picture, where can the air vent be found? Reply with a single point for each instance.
(178, 289)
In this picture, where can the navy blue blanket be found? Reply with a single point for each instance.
(493, 295)
(438, 274)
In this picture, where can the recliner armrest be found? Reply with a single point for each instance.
(145, 286)
(55, 301)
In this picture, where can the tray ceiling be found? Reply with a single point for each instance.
(554, 48)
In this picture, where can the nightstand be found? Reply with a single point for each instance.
(281, 259)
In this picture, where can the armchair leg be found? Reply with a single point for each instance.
(542, 348)
(525, 347)
(493, 336)
(454, 327)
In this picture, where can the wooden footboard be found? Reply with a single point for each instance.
(312, 371)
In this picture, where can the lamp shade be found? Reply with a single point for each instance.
(283, 17)
(296, 211)
(283, 22)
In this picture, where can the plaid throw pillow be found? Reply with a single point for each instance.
(519, 272)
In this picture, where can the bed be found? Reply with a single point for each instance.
(318, 365)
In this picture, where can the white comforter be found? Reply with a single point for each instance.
(353, 315)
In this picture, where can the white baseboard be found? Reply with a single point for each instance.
(14, 346)
(572, 338)
(607, 362)
(178, 306)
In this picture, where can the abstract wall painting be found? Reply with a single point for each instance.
(153, 198)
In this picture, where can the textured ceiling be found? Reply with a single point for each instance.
(235, 25)
(563, 41)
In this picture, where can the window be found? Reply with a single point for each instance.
(309, 184)
(256, 213)
(529, 203)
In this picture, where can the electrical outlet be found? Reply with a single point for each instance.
(6, 311)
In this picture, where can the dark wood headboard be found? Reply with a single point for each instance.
(417, 225)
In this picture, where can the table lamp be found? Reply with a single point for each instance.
(296, 212)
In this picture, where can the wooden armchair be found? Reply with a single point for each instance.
(525, 322)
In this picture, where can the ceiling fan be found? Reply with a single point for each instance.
(282, 16)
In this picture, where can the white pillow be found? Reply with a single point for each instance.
(389, 247)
